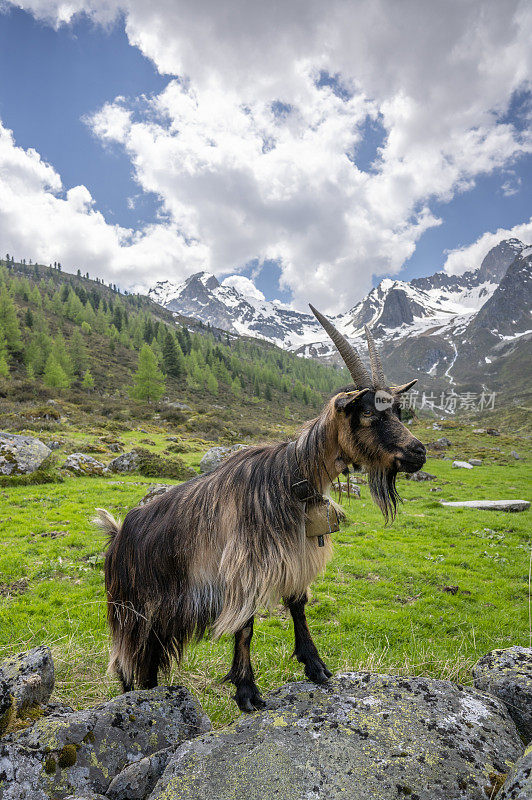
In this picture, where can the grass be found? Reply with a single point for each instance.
(427, 595)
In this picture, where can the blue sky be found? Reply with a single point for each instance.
(104, 108)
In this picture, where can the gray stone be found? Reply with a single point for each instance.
(89, 796)
(420, 476)
(214, 457)
(154, 491)
(515, 455)
(507, 674)
(360, 737)
(21, 454)
(475, 462)
(479, 430)
(180, 406)
(518, 785)
(137, 781)
(489, 505)
(83, 464)
(462, 465)
(493, 431)
(30, 676)
(443, 441)
(127, 462)
(82, 752)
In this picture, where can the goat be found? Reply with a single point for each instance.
(211, 551)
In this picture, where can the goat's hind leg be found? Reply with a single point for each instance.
(247, 694)
(305, 650)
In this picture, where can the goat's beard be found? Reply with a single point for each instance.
(383, 491)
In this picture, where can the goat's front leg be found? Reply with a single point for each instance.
(241, 673)
(305, 650)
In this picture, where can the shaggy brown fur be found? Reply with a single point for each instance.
(210, 552)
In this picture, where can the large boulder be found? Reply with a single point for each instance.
(518, 785)
(83, 464)
(155, 491)
(359, 737)
(30, 676)
(507, 674)
(127, 462)
(214, 457)
(21, 454)
(82, 752)
(137, 780)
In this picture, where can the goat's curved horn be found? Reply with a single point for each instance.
(377, 372)
(349, 354)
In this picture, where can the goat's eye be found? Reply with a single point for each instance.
(367, 413)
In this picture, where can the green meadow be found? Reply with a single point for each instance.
(428, 594)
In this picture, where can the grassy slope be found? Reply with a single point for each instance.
(381, 605)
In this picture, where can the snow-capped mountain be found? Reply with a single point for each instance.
(425, 324)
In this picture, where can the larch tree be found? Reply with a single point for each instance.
(148, 380)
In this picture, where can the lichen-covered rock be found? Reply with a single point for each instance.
(83, 464)
(127, 462)
(7, 704)
(360, 737)
(507, 674)
(137, 780)
(214, 457)
(154, 491)
(30, 676)
(518, 785)
(21, 454)
(462, 465)
(82, 752)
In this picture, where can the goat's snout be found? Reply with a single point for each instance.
(413, 457)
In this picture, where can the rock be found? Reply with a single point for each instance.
(353, 489)
(7, 704)
(89, 796)
(489, 505)
(436, 426)
(443, 441)
(462, 465)
(475, 462)
(154, 491)
(214, 457)
(21, 454)
(30, 676)
(55, 445)
(479, 430)
(420, 476)
(127, 462)
(518, 785)
(82, 752)
(360, 737)
(180, 406)
(515, 455)
(507, 674)
(115, 447)
(136, 781)
(83, 464)
(493, 431)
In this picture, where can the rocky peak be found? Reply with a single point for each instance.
(499, 258)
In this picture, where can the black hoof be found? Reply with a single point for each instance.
(317, 672)
(248, 699)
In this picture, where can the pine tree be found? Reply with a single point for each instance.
(28, 318)
(9, 322)
(148, 380)
(173, 360)
(54, 375)
(211, 384)
(88, 381)
(78, 352)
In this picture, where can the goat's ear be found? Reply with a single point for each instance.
(404, 388)
(343, 400)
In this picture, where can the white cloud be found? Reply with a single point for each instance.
(470, 256)
(241, 183)
(39, 220)
(244, 286)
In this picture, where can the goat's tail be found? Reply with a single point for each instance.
(106, 522)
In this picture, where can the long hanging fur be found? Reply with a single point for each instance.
(210, 552)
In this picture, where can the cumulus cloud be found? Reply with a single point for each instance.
(470, 257)
(244, 286)
(252, 149)
(38, 219)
